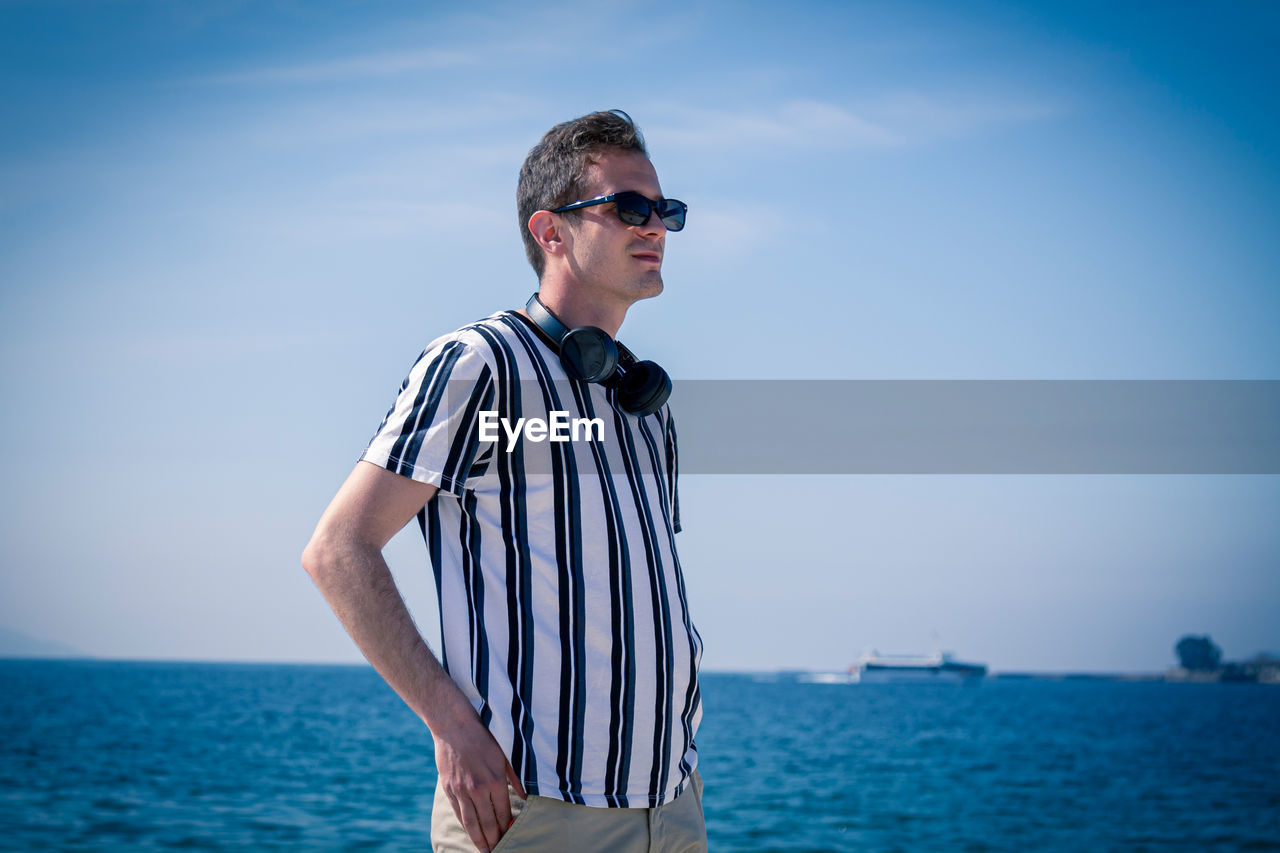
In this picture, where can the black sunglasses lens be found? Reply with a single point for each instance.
(672, 212)
(633, 208)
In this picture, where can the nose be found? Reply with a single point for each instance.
(653, 225)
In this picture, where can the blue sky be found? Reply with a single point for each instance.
(226, 229)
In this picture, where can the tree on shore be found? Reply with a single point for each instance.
(1198, 653)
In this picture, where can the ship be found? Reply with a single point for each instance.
(874, 667)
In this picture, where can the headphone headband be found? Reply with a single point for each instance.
(590, 354)
(548, 322)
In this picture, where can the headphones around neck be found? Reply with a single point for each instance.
(589, 354)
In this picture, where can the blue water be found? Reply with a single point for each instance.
(145, 756)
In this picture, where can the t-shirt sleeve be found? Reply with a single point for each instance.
(431, 432)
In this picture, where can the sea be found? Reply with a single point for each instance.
(98, 755)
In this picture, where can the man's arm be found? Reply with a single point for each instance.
(344, 558)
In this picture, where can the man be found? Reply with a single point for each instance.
(565, 708)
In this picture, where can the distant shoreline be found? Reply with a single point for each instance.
(1172, 676)
(1078, 676)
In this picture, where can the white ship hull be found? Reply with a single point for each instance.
(942, 668)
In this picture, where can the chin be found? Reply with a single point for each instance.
(637, 289)
(650, 289)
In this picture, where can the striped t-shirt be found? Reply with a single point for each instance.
(563, 611)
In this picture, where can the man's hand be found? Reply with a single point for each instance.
(474, 774)
(344, 558)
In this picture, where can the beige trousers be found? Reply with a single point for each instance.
(550, 825)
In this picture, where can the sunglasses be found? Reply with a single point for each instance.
(634, 209)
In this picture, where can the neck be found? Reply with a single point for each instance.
(575, 308)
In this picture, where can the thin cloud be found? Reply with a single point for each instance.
(720, 230)
(925, 117)
(804, 124)
(376, 65)
(889, 122)
(379, 219)
(479, 123)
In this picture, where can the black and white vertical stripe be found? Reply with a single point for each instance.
(563, 608)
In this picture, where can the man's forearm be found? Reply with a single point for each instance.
(358, 585)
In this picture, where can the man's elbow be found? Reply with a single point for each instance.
(318, 558)
(333, 556)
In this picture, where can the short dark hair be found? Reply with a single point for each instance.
(552, 174)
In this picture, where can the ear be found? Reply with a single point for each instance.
(548, 231)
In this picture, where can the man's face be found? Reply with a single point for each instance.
(618, 262)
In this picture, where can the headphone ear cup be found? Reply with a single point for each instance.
(645, 388)
(589, 354)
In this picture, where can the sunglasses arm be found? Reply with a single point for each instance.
(604, 199)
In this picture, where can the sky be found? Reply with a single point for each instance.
(228, 228)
